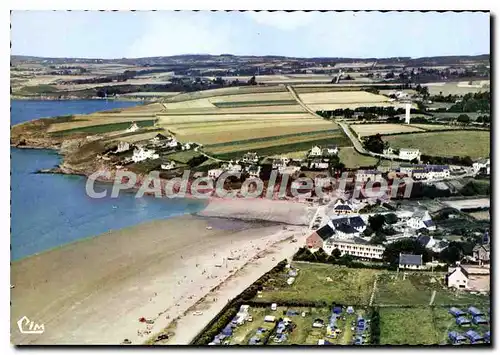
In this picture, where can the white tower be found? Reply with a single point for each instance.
(407, 113)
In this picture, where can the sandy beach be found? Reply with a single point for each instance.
(94, 291)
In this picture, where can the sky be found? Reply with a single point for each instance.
(126, 34)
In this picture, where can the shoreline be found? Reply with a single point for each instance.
(93, 291)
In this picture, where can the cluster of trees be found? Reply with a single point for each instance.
(379, 226)
(437, 160)
(375, 143)
(473, 188)
(375, 326)
(373, 111)
(473, 102)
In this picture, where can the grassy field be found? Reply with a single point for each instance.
(457, 88)
(103, 128)
(352, 159)
(475, 144)
(417, 289)
(433, 127)
(382, 128)
(419, 326)
(348, 286)
(412, 326)
(271, 149)
(335, 136)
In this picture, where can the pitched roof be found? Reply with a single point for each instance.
(345, 228)
(429, 223)
(419, 214)
(356, 221)
(409, 259)
(325, 232)
(343, 208)
(423, 239)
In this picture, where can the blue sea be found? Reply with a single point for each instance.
(51, 210)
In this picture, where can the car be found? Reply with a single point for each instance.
(197, 313)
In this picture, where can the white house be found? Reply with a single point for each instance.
(481, 164)
(158, 138)
(316, 151)
(250, 158)
(388, 151)
(168, 165)
(412, 262)
(141, 154)
(215, 173)
(421, 219)
(172, 143)
(253, 170)
(122, 147)
(318, 164)
(331, 150)
(365, 175)
(133, 128)
(469, 277)
(230, 167)
(409, 154)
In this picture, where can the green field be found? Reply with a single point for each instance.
(419, 326)
(347, 286)
(475, 144)
(104, 128)
(254, 103)
(416, 288)
(352, 159)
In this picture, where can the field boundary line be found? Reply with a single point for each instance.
(432, 297)
(373, 291)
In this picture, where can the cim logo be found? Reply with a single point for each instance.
(29, 327)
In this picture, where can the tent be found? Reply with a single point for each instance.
(350, 310)
(291, 312)
(479, 320)
(473, 336)
(487, 336)
(228, 331)
(456, 337)
(456, 312)
(337, 310)
(475, 312)
(463, 321)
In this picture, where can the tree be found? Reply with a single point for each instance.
(408, 246)
(378, 238)
(391, 218)
(336, 253)
(368, 231)
(375, 143)
(252, 81)
(376, 222)
(463, 118)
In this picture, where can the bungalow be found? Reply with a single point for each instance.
(355, 222)
(456, 312)
(133, 128)
(331, 150)
(421, 219)
(341, 207)
(409, 154)
(233, 168)
(481, 253)
(474, 311)
(158, 138)
(250, 158)
(409, 261)
(253, 170)
(345, 231)
(141, 154)
(315, 151)
(482, 165)
(318, 164)
(456, 337)
(168, 165)
(368, 175)
(469, 277)
(215, 173)
(122, 147)
(315, 240)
